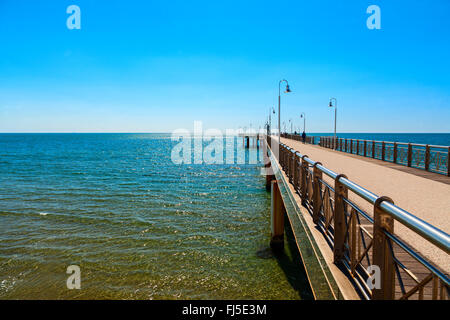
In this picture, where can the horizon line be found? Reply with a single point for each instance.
(169, 132)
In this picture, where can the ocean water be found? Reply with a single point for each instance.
(137, 225)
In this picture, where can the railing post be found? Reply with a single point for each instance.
(288, 165)
(427, 157)
(409, 154)
(373, 149)
(317, 176)
(357, 146)
(365, 148)
(292, 169)
(448, 162)
(395, 152)
(383, 150)
(277, 218)
(340, 192)
(351, 145)
(303, 185)
(345, 145)
(296, 171)
(382, 255)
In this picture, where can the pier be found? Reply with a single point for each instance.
(351, 215)
(250, 139)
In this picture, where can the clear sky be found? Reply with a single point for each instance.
(155, 66)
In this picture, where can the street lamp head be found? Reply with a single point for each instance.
(331, 104)
(287, 89)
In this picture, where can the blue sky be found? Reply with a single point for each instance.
(154, 66)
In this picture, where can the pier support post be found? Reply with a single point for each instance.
(268, 168)
(269, 179)
(317, 201)
(340, 192)
(277, 218)
(382, 255)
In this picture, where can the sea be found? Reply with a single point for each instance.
(136, 224)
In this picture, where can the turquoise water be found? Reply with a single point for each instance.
(139, 226)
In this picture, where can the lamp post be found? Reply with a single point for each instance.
(303, 115)
(279, 103)
(290, 121)
(335, 116)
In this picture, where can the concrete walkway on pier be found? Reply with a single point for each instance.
(423, 197)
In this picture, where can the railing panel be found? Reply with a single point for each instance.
(430, 158)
